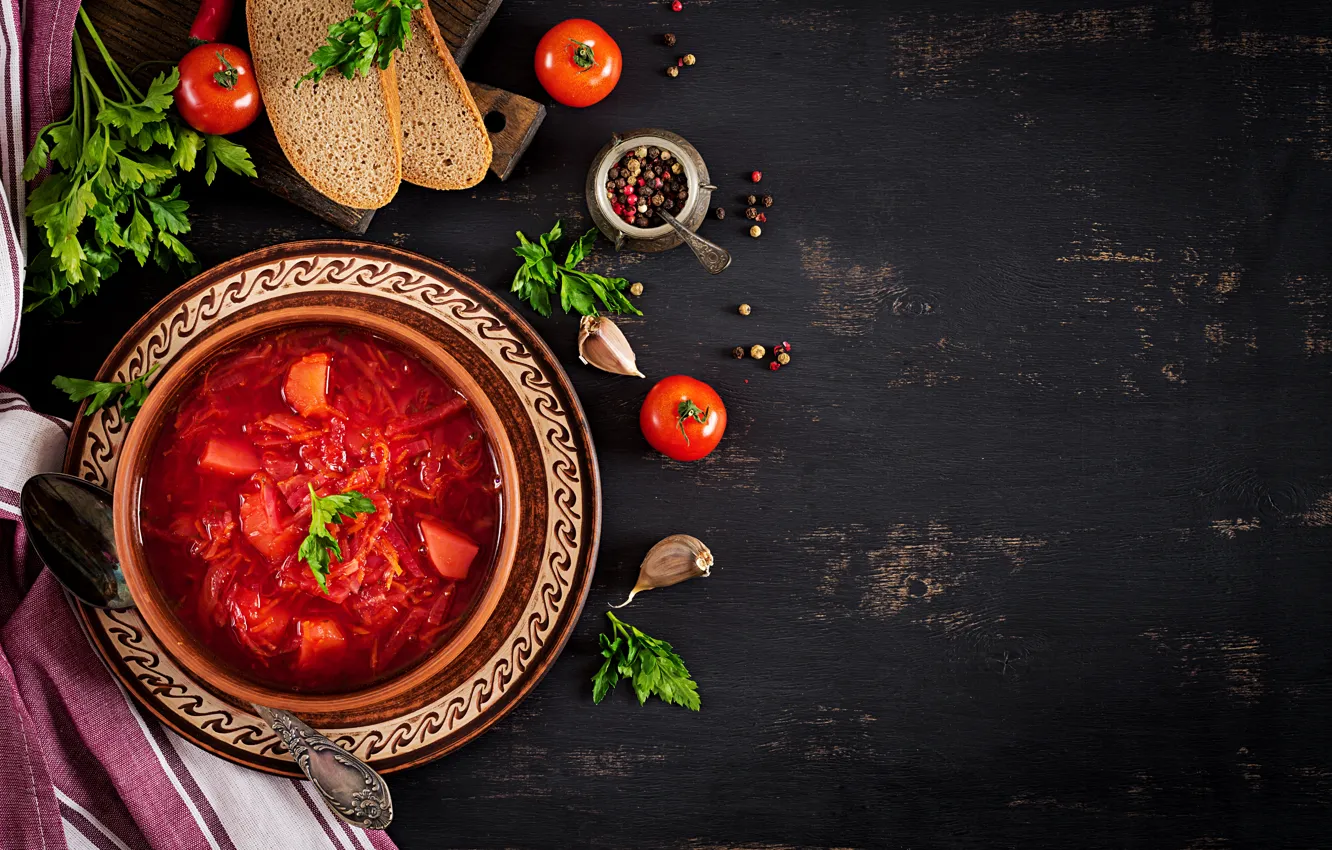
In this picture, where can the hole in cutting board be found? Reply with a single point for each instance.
(496, 121)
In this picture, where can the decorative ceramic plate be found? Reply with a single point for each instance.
(560, 496)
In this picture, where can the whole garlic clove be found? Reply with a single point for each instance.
(602, 344)
(677, 558)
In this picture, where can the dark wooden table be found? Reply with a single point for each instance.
(1029, 546)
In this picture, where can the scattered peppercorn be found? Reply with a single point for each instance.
(676, 6)
(786, 345)
(751, 213)
(751, 200)
(767, 200)
(688, 59)
(774, 366)
(756, 176)
(738, 352)
(636, 289)
(783, 358)
(756, 231)
(668, 39)
(745, 309)
(679, 62)
(720, 213)
(760, 217)
(757, 352)
(672, 71)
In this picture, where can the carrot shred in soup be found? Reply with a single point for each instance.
(226, 506)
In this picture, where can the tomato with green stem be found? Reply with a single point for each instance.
(577, 62)
(217, 92)
(683, 418)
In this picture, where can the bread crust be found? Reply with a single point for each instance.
(388, 82)
(427, 19)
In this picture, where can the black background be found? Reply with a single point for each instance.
(1029, 546)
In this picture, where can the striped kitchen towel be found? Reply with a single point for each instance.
(87, 768)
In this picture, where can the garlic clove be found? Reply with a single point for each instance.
(677, 558)
(601, 344)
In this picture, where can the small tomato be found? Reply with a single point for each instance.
(683, 418)
(577, 63)
(217, 91)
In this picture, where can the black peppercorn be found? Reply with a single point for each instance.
(738, 352)
(767, 200)
(751, 200)
(654, 152)
(720, 213)
(668, 39)
(751, 213)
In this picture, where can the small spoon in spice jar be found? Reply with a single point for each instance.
(714, 257)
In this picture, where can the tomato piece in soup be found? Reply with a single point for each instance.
(450, 553)
(321, 640)
(262, 522)
(306, 389)
(229, 457)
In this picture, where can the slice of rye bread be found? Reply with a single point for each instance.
(444, 140)
(344, 136)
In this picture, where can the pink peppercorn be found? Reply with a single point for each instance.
(676, 6)
(774, 365)
(756, 176)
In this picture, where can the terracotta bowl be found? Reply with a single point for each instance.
(474, 378)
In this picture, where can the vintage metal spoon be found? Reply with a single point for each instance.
(69, 523)
(714, 257)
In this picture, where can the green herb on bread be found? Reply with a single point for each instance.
(375, 31)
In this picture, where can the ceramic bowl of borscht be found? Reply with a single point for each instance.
(352, 413)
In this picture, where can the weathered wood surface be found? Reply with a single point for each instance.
(152, 31)
(1029, 547)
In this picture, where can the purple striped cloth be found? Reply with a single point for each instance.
(85, 767)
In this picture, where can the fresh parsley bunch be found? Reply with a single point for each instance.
(320, 541)
(110, 191)
(101, 392)
(370, 37)
(651, 665)
(580, 291)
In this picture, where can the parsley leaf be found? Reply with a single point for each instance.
(320, 541)
(100, 392)
(579, 291)
(111, 191)
(651, 665)
(374, 32)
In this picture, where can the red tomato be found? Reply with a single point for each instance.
(577, 62)
(217, 91)
(682, 418)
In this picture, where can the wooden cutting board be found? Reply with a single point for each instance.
(144, 31)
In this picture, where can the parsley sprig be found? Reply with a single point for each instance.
(320, 541)
(100, 392)
(651, 665)
(110, 194)
(370, 37)
(536, 281)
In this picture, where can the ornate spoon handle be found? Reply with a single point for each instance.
(351, 787)
(714, 257)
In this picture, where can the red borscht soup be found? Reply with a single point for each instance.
(226, 507)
